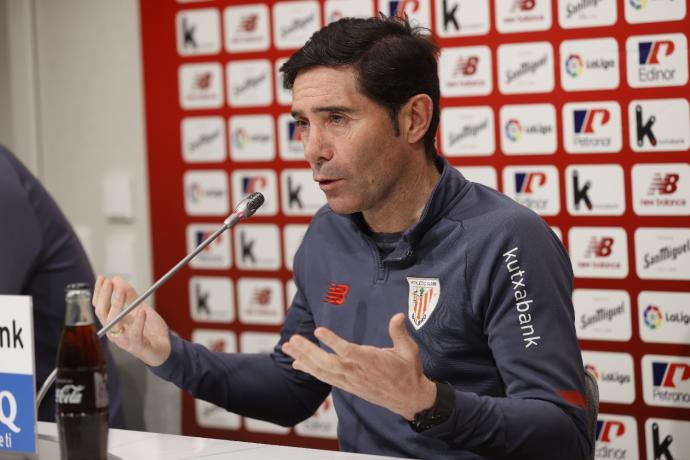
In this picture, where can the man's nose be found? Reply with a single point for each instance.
(316, 147)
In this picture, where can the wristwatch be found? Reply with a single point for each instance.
(438, 413)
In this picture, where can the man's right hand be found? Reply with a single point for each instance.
(142, 332)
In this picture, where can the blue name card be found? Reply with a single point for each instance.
(17, 394)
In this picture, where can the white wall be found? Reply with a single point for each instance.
(90, 123)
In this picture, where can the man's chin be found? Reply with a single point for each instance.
(342, 207)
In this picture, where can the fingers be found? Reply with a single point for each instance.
(102, 303)
(341, 346)
(402, 341)
(313, 360)
(97, 288)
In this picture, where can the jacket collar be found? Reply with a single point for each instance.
(449, 189)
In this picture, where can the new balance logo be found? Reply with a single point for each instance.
(262, 296)
(336, 294)
(523, 5)
(248, 23)
(585, 120)
(664, 185)
(203, 81)
(467, 66)
(600, 247)
(649, 51)
(667, 375)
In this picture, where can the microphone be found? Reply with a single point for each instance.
(244, 210)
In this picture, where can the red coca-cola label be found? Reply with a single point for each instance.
(81, 390)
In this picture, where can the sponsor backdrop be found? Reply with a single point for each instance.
(577, 109)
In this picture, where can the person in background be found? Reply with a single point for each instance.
(437, 311)
(39, 255)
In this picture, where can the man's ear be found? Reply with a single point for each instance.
(415, 117)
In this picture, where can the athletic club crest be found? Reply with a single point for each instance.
(424, 294)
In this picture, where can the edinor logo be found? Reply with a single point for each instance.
(650, 52)
(657, 60)
(638, 4)
(609, 430)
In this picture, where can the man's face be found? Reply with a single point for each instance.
(349, 140)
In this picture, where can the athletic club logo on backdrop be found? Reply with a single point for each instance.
(422, 300)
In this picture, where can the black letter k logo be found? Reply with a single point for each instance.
(449, 15)
(644, 129)
(661, 449)
(580, 194)
(188, 33)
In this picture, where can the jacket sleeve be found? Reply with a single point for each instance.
(260, 386)
(520, 280)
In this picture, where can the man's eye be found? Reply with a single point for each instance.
(301, 124)
(337, 119)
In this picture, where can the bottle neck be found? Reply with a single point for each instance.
(79, 311)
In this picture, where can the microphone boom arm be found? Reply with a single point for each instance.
(244, 210)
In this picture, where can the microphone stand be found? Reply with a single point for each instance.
(244, 210)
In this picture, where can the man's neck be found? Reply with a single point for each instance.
(405, 206)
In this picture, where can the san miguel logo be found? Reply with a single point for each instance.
(422, 300)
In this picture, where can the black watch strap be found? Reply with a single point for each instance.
(438, 413)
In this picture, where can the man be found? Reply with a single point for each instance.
(39, 255)
(437, 311)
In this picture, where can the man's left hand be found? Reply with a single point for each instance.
(389, 377)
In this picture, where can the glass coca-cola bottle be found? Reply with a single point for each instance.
(81, 393)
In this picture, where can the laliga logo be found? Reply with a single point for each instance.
(195, 192)
(652, 316)
(585, 120)
(8, 419)
(649, 51)
(608, 429)
(240, 138)
(573, 65)
(513, 129)
(668, 375)
(638, 4)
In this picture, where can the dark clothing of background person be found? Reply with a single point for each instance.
(39, 255)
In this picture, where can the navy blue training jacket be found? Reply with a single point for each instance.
(496, 323)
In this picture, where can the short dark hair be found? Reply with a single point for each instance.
(393, 61)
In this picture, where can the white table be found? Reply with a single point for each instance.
(131, 445)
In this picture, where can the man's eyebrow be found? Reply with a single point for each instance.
(326, 108)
